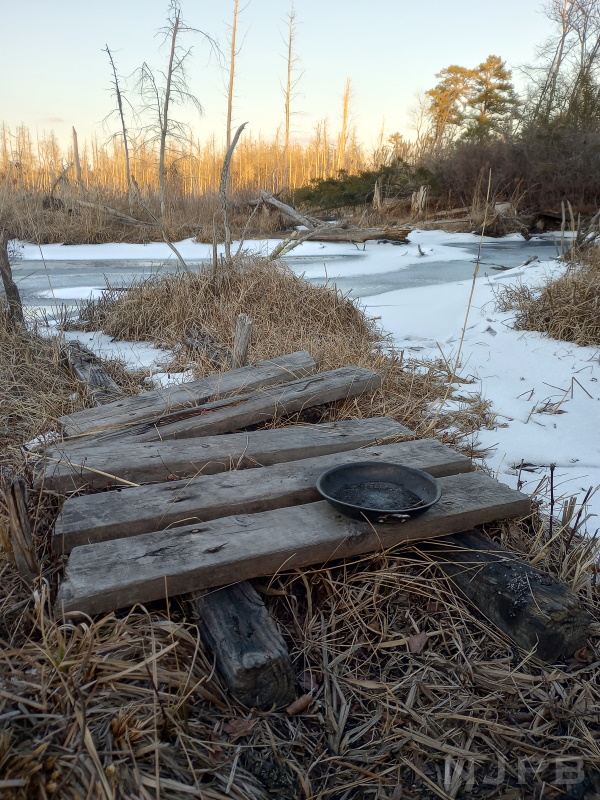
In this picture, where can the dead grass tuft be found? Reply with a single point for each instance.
(567, 308)
(288, 314)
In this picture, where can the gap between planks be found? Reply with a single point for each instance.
(100, 517)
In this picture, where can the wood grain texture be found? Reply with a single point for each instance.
(100, 517)
(251, 656)
(72, 468)
(105, 576)
(536, 611)
(164, 401)
(90, 373)
(231, 413)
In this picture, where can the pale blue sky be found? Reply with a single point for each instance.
(54, 74)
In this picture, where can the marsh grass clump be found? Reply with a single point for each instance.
(567, 308)
(288, 314)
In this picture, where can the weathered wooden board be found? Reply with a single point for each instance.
(535, 610)
(164, 401)
(100, 517)
(150, 462)
(105, 576)
(232, 413)
(90, 373)
(251, 655)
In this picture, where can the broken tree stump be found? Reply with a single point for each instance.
(250, 653)
(533, 609)
(90, 374)
(20, 531)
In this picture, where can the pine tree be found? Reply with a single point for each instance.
(491, 101)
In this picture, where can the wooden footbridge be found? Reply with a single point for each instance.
(194, 498)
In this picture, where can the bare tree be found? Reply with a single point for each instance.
(11, 290)
(289, 93)
(231, 71)
(160, 89)
(121, 112)
(77, 161)
(343, 138)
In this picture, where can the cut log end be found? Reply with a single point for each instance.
(533, 609)
(250, 653)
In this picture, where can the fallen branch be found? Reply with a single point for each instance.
(299, 219)
(158, 222)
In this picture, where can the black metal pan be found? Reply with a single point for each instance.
(379, 491)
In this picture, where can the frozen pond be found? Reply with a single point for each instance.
(377, 269)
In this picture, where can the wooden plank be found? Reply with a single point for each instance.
(251, 656)
(535, 610)
(98, 518)
(105, 576)
(232, 413)
(75, 467)
(164, 401)
(90, 373)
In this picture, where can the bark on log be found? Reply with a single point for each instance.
(533, 609)
(251, 656)
(11, 290)
(90, 373)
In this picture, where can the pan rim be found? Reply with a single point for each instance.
(380, 511)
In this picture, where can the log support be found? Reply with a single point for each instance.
(250, 653)
(533, 609)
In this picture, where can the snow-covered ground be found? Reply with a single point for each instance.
(544, 393)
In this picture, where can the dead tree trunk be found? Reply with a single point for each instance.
(15, 306)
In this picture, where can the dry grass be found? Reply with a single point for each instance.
(288, 314)
(34, 217)
(128, 705)
(567, 308)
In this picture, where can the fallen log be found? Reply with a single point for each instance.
(108, 575)
(356, 235)
(98, 518)
(296, 216)
(117, 216)
(250, 653)
(149, 405)
(90, 373)
(537, 612)
(119, 463)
